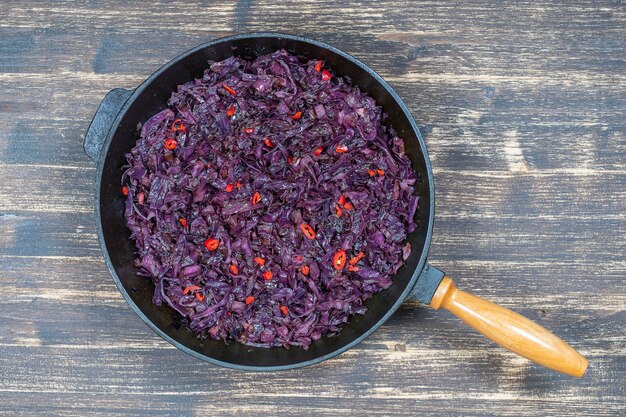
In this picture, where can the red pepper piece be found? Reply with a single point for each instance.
(348, 206)
(318, 65)
(256, 198)
(238, 185)
(124, 190)
(341, 149)
(250, 300)
(267, 275)
(299, 258)
(371, 172)
(326, 75)
(183, 222)
(191, 288)
(231, 111)
(170, 144)
(353, 268)
(259, 260)
(233, 269)
(305, 270)
(178, 126)
(296, 115)
(268, 143)
(199, 297)
(285, 310)
(318, 151)
(290, 160)
(339, 260)
(211, 244)
(342, 200)
(228, 188)
(230, 90)
(380, 172)
(249, 130)
(338, 210)
(356, 258)
(308, 231)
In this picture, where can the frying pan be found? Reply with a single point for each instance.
(113, 132)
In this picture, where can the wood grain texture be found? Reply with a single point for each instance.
(523, 108)
(509, 329)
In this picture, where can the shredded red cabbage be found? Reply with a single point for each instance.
(209, 244)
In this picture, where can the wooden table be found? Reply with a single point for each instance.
(523, 108)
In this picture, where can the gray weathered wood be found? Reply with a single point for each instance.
(523, 108)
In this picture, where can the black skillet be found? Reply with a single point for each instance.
(113, 132)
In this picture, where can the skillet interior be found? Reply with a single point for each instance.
(119, 251)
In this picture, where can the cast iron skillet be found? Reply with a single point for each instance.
(113, 132)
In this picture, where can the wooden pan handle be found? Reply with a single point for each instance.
(510, 330)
